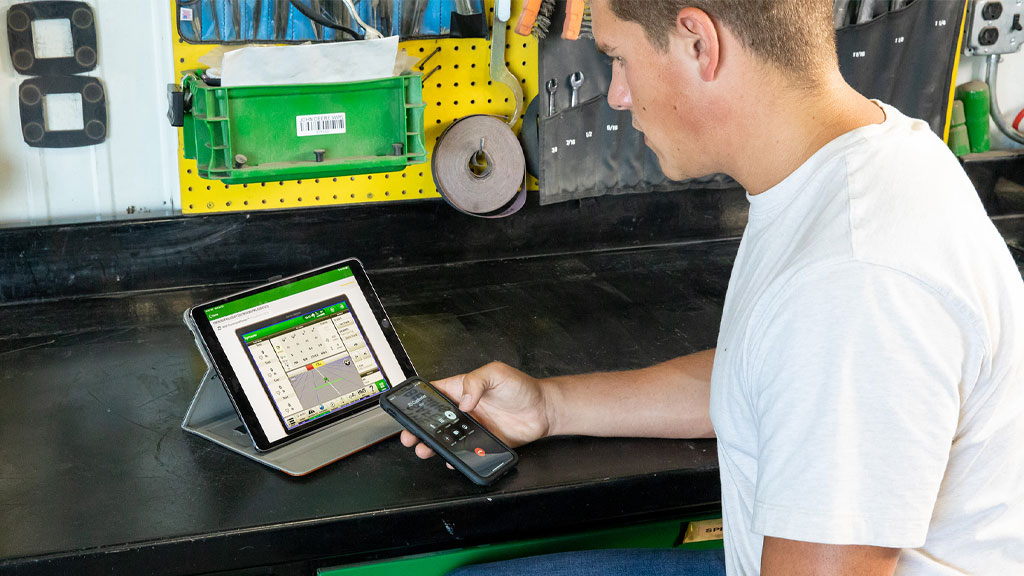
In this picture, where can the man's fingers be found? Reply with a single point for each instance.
(423, 451)
(464, 389)
(473, 386)
(409, 439)
(451, 386)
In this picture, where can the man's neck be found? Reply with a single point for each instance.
(786, 126)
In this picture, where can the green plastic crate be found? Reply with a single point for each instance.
(372, 126)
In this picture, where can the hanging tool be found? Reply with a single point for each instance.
(216, 19)
(575, 81)
(552, 87)
(282, 10)
(528, 17)
(386, 16)
(573, 19)
(336, 11)
(587, 28)
(535, 18)
(866, 11)
(197, 18)
(236, 18)
(370, 33)
(840, 10)
(318, 28)
(467, 21)
(257, 18)
(412, 17)
(499, 72)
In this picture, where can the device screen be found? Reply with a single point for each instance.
(306, 351)
(313, 363)
(434, 413)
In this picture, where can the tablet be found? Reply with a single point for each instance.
(301, 353)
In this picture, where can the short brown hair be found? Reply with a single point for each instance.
(794, 35)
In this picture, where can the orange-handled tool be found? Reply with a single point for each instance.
(573, 19)
(528, 17)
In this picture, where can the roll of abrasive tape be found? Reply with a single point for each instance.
(479, 167)
(974, 95)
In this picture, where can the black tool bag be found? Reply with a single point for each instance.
(301, 21)
(905, 58)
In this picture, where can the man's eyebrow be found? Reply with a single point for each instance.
(605, 48)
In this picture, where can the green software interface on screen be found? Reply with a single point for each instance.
(313, 363)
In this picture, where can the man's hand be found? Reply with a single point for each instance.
(794, 558)
(506, 401)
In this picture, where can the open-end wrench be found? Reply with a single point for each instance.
(552, 87)
(499, 72)
(575, 81)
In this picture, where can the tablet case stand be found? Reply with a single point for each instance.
(211, 416)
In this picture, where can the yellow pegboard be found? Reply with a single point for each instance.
(461, 87)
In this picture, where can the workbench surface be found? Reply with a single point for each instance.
(98, 476)
(97, 370)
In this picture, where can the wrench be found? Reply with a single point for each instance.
(551, 86)
(499, 72)
(575, 81)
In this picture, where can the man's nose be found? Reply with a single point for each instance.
(619, 97)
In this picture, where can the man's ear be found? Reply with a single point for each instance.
(701, 40)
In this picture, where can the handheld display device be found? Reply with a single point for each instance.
(454, 435)
(302, 352)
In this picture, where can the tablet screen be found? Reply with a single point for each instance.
(306, 351)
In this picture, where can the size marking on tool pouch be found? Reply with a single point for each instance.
(612, 127)
(860, 54)
(318, 124)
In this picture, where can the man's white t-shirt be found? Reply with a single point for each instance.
(868, 385)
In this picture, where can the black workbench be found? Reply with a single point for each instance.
(97, 370)
(98, 477)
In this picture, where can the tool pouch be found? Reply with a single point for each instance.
(590, 149)
(281, 22)
(904, 58)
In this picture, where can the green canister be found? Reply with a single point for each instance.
(974, 95)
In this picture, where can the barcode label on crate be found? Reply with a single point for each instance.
(319, 124)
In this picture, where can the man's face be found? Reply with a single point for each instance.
(660, 90)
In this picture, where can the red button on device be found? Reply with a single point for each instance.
(480, 452)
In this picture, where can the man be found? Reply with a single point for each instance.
(867, 391)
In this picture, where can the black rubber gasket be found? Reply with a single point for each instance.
(83, 37)
(32, 97)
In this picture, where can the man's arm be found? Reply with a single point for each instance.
(668, 400)
(781, 557)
